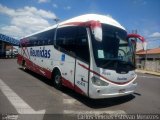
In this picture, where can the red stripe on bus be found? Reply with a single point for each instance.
(37, 69)
(119, 83)
(70, 85)
(34, 67)
(67, 83)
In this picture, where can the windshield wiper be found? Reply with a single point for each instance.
(108, 62)
(128, 63)
(115, 63)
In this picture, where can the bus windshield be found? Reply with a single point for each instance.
(114, 51)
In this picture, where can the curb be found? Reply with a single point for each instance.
(147, 72)
(153, 74)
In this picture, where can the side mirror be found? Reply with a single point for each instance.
(96, 30)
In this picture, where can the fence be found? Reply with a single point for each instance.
(149, 65)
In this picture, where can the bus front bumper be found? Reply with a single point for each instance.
(97, 92)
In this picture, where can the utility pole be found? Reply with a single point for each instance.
(145, 59)
(56, 20)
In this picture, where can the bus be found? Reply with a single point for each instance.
(91, 54)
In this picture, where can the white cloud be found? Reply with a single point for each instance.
(6, 10)
(26, 11)
(43, 1)
(67, 7)
(31, 23)
(140, 2)
(155, 35)
(25, 20)
(46, 14)
(55, 5)
(11, 30)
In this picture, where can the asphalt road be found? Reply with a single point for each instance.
(24, 92)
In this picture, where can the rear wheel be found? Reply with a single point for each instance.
(24, 65)
(57, 79)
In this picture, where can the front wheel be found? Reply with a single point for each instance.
(57, 80)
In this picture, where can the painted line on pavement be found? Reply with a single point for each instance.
(143, 76)
(20, 105)
(69, 101)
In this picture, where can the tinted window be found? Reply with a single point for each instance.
(44, 38)
(73, 41)
(82, 50)
(66, 38)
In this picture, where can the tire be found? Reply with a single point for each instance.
(57, 79)
(23, 65)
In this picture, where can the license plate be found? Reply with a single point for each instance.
(122, 90)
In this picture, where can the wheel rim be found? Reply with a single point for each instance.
(57, 79)
(24, 66)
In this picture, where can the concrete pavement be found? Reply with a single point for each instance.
(147, 72)
(36, 93)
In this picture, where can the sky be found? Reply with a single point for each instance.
(19, 18)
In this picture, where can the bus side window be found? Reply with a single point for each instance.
(49, 41)
(31, 43)
(35, 43)
(32, 40)
(66, 39)
(43, 42)
(40, 42)
(47, 37)
(82, 47)
(50, 37)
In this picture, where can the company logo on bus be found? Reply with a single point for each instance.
(121, 78)
(40, 52)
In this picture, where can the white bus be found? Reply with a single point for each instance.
(91, 54)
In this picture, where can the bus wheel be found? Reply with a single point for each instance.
(24, 65)
(57, 79)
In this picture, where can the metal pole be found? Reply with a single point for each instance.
(56, 20)
(146, 59)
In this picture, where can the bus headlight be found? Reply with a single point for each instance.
(98, 82)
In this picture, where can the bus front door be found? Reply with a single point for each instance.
(81, 77)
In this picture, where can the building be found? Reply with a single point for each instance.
(139, 46)
(149, 59)
(7, 42)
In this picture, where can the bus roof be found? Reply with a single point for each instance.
(96, 17)
(84, 18)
